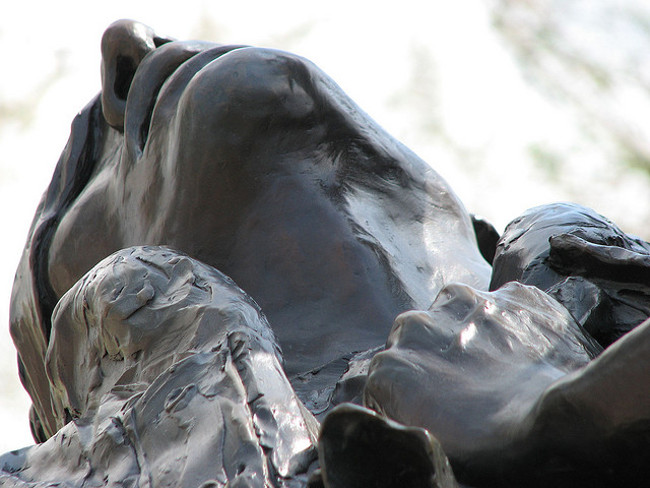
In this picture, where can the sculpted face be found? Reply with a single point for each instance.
(255, 162)
(476, 363)
(163, 372)
(149, 367)
(510, 384)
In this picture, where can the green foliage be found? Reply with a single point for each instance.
(546, 160)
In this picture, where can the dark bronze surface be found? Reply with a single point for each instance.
(148, 367)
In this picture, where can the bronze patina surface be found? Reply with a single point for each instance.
(231, 253)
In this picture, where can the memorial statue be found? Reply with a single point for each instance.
(227, 244)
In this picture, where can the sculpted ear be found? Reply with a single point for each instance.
(124, 44)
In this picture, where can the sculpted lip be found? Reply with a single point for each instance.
(159, 81)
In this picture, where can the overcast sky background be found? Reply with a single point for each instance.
(514, 103)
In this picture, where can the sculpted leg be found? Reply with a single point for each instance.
(471, 369)
(169, 373)
(158, 370)
(255, 162)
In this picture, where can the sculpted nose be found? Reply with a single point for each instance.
(124, 44)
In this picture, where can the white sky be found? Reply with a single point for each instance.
(490, 114)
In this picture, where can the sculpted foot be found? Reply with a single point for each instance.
(163, 371)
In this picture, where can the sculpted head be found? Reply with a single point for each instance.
(597, 271)
(155, 356)
(255, 162)
(198, 157)
(474, 362)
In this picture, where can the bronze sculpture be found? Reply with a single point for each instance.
(253, 162)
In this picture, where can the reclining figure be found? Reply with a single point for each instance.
(147, 366)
